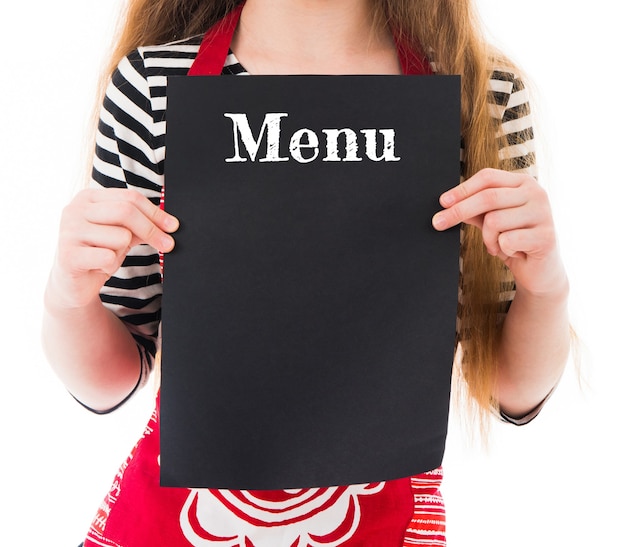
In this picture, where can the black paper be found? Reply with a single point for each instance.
(309, 308)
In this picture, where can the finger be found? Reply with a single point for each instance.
(163, 220)
(126, 215)
(536, 242)
(471, 209)
(115, 238)
(496, 222)
(92, 259)
(105, 245)
(486, 178)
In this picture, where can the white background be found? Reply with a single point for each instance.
(558, 481)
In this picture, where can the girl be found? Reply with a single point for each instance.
(513, 327)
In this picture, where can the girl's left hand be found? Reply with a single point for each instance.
(514, 215)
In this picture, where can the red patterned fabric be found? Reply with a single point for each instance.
(137, 512)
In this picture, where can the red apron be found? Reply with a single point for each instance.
(137, 512)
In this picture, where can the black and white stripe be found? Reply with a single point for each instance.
(130, 153)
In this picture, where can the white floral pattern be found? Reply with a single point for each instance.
(315, 517)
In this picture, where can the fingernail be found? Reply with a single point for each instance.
(439, 221)
(171, 223)
(446, 200)
(167, 243)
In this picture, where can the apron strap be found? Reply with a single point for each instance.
(216, 43)
(412, 62)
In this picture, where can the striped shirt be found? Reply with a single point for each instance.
(130, 153)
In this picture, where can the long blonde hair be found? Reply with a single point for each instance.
(448, 29)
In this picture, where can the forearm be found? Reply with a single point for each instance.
(91, 350)
(533, 348)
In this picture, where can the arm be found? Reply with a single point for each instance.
(513, 213)
(534, 345)
(102, 301)
(89, 347)
(100, 369)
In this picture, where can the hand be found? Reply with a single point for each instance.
(98, 228)
(514, 215)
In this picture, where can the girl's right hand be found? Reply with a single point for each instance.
(97, 230)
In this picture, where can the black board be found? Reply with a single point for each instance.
(309, 307)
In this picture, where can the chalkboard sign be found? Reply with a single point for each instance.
(309, 307)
